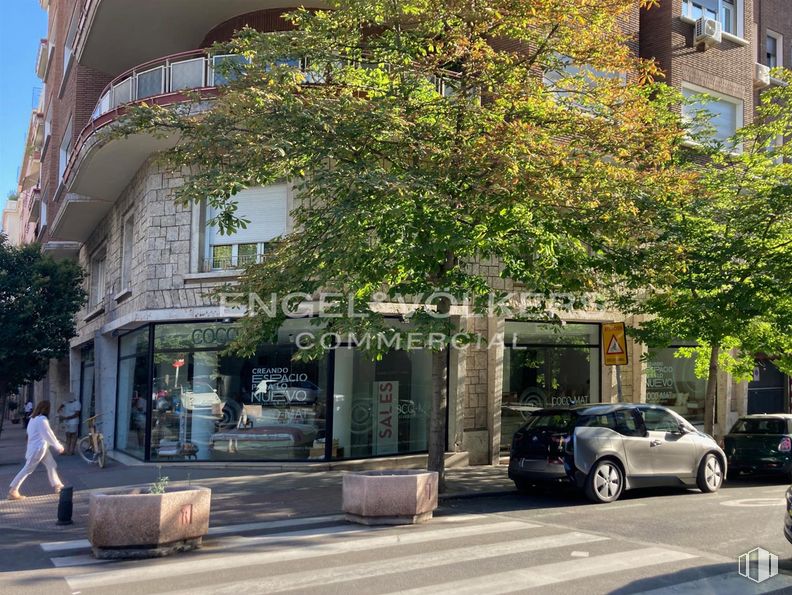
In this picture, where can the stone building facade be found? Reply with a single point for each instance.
(148, 354)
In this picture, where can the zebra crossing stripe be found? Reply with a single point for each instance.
(276, 548)
(308, 579)
(81, 544)
(84, 544)
(557, 572)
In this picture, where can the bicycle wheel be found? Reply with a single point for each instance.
(85, 450)
(101, 456)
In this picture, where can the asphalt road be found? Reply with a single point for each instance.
(660, 541)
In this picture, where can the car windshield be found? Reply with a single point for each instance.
(760, 426)
(556, 421)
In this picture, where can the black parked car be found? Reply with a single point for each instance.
(760, 444)
(537, 450)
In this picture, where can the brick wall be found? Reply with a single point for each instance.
(775, 15)
(73, 100)
(262, 20)
(725, 68)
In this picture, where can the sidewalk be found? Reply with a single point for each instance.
(242, 494)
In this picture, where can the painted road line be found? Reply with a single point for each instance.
(278, 550)
(557, 572)
(81, 544)
(82, 560)
(310, 579)
(60, 546)
(263, 525)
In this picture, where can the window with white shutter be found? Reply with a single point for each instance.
(266, 210)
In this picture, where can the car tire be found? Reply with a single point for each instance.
(605, 482)
(523, 486)
(710, 474)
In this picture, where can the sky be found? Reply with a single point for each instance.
(22, 25)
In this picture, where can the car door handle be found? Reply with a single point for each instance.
(655, 443)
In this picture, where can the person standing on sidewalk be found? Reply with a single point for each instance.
(40, 439)
(69, 414)
(28, 411)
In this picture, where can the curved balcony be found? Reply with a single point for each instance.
(114, 35)
(99, 168)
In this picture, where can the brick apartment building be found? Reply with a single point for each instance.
(147, 355)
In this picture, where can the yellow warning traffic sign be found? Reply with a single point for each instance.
(615, 344)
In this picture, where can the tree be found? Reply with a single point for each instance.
(722, 269)
(38, 300)
(424, 137)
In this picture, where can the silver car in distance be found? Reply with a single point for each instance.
(617, 447)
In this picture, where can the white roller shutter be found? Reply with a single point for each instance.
(265, 208)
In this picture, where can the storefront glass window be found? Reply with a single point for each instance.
(209, 406)
(381, 408)
(133, 383)
(547, 365)
(671, 381)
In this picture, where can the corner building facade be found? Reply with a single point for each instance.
(148, 354)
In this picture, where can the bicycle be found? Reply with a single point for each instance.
(92, 447)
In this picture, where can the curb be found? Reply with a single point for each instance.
(472, 495)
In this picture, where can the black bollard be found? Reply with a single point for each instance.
(65, 506)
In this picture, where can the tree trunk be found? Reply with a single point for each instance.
(438, 417)
(712, 391)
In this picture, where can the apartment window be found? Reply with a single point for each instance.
(65, 150)
(267, 212)
(98, 279)
(564, 79)
(726, 113)
(725, 11)
(774, 48)
(47, 129)
(228, 63)
(127, 246)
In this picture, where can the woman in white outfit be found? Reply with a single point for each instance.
(40, 438)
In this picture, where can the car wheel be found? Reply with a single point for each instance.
(710, 474)
(605, 483)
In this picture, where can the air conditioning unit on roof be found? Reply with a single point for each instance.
(708, 32)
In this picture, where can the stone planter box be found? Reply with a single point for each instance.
(399, 497)
(137, 524)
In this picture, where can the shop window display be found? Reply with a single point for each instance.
(547, 365)
(671, 381)
(210, 406)
(197, 403)
(381, 408)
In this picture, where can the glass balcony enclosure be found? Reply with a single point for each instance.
(181, 72)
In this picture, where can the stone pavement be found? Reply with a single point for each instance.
(241, 493)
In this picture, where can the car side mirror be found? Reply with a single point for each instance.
(681, 430)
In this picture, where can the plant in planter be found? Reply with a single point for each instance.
(397, 497)
(148, 522)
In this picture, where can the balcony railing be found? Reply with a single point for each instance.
(183, 72)
(229, 263)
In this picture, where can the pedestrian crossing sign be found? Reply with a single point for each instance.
(615, 344)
